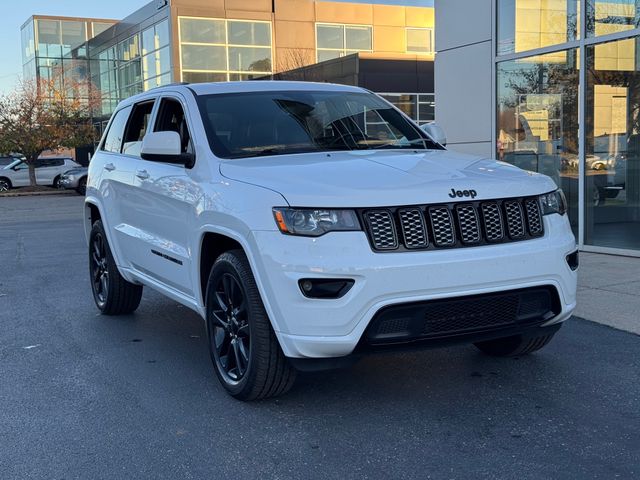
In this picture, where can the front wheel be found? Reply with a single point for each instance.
(514, 346)
(112, 293)
(5, 185)
(245, 352)
(82, 186)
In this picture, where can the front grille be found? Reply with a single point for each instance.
(451, 317)
(453, 225)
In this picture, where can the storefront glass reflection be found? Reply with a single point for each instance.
(538, 119)
(612, 125)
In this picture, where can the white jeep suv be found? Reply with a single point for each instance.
(311, 223)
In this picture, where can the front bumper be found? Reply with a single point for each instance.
(315, 328)
(68, 183)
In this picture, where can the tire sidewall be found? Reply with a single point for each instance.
(98, 229)
(229, 263)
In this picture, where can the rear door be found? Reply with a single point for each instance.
(112, 175)
(47, 169)
(166, 199)
(124, 203)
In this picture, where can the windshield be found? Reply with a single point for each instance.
(241, 125)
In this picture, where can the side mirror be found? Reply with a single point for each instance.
(436, 132)
(165, 147)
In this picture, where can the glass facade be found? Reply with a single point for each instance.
(219, 50)
(338, 40)
(54, 50)
(133, 65)
(580, 126)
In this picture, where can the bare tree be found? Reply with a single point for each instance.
(46, 115)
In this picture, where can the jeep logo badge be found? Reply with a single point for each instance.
(463, 193)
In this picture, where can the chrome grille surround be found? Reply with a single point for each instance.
(453, 225)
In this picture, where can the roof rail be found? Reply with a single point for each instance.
(170, 85)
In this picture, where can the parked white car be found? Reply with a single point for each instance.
(48, 172)
(311, 223)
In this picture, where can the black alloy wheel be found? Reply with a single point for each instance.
(231, 332)
(99, 270)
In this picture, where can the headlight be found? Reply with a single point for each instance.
(315, 222)
(554, 202)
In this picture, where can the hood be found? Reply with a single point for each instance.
(382, 178)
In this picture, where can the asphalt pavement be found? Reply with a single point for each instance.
(86, 396)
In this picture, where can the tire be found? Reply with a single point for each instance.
(56, 182)
(82, 186)
(515, 346)
(112, 293)
(244, 349)
(5, 185)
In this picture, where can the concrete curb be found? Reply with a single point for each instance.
(36, 194)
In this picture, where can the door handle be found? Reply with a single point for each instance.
(142, 174)
(110, 167)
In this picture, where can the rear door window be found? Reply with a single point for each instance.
(113, 140)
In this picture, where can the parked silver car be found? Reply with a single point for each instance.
(75, 179)
(48, 172)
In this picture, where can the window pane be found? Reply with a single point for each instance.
(49, 38)
(73, 35)
(99, 27)
(202, 30)
(612, 131)
(156, 63)
(249, 33)
(330, 36)
(358, 38)
(419, 40)
(129, 49)
(538, 119)
(605, 16)
(328, 55)
(237, 77)
(149, 40)
(528, 24)
(204, 57)
(162, 34)
(201, 77)
(250, 59)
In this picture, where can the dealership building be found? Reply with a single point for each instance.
(551, 86)
(169, 41)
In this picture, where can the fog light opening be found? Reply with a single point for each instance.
(325, 288)
(573, 260)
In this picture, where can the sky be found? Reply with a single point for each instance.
(20, 11)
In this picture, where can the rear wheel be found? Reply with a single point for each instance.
(112, 293)
(245, 352)
(514, 346)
